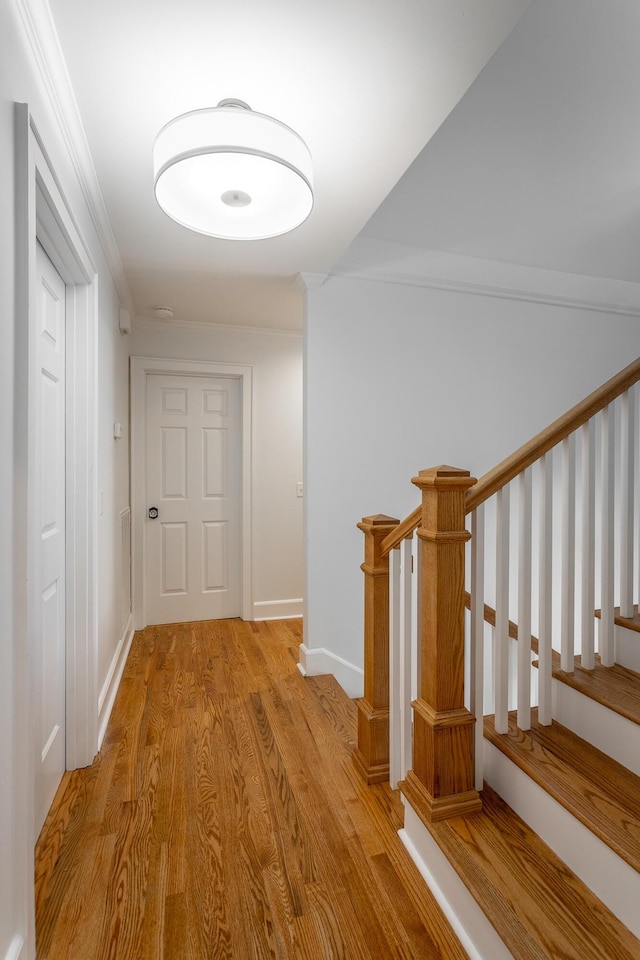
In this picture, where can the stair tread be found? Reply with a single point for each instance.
(616, 687)
(631, 623)
(597, 790)
(538, 906)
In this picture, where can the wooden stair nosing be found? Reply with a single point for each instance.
(597, 790)
(538, 906)
(631, 623)
(616, 687)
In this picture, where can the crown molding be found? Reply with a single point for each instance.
(147, 323)
(303, 282)
(42, 37)
(393, 264)
(503, 293)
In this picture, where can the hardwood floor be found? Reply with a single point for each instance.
(223, 818)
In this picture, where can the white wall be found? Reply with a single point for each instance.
(276, 443)
(21, 81)
(399, 378)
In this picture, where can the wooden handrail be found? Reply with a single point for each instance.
(489, 616)
(544, 441)
(402, 531)
(529, 452)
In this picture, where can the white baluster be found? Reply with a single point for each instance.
(524, 600)
(501, 634)
(396, 706)
(545, 595)
(627, 455)
(606, 629)
(406, 631)
(587, 464)
(567, 638)
(416, 606)
(635, 396)
(477, 636)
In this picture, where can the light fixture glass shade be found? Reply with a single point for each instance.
(231, 173)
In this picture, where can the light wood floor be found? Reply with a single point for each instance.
(223, 818)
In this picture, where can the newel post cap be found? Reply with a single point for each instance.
(380, 520)
(444, 477)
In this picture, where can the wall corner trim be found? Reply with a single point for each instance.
(304, 282)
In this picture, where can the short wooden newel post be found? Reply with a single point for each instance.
(441, 783)
(372, 753)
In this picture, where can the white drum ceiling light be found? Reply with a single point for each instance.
(231, 173)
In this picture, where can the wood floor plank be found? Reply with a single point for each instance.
(224, 819)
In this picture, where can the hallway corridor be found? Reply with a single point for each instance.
(223, 818)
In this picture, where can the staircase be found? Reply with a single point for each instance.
(518, 756)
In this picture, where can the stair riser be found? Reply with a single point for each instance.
(606, 730)
(612, 880)
(627, 648)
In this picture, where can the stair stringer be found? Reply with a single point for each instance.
(610, 732)
(612, 880)
(475, 932)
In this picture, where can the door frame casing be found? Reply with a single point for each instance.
(46, 218)
(141, 368)
(43, 214)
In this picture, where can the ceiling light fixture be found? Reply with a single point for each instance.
(231, 173)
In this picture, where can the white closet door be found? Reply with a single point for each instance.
(193, 476)
(48, 538)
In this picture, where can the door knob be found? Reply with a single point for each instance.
(153, 513)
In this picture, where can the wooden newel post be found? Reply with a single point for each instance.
(372, 753)
(441, 783)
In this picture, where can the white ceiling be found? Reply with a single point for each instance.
(539, 164)
(365, 82)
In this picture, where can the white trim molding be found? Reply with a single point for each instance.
(303, 282)
(15, 948)
(112, 681)
(318, 661)
(141, 367)
(42, 37)
(394, 263)
(43, 215)
(277, 609)
(157, 326)
(46, 217)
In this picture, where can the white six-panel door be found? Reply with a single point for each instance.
(193, 478)
(48, 539)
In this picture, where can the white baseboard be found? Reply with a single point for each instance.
(612, 879)
(15, 948)
(469, 923)
(315, 662)
(112, 681)
(277, 609)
